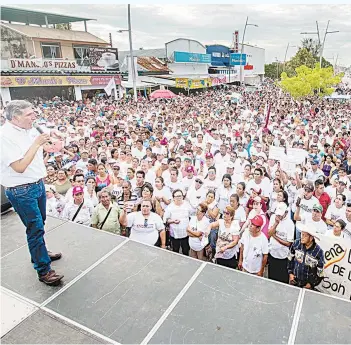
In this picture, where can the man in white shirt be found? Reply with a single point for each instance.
(79, 210)
(22, 173)
(314, 173)
(139, 151)
(281, 236)
(254, 249)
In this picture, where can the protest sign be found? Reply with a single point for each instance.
(288, 167)
(337, 268)
(297, 156)
(277, 153)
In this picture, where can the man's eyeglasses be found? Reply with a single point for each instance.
(199, 181)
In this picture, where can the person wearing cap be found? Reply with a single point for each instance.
(196, 193)
(78, 210)
(314, 173)
(304, 207)
(22, 174)
(254, 248)
(189, 179)
(322, 196)
(306, 260)
(82, 163)
(107, 215)
(281, 236)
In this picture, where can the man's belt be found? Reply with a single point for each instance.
(24, 185)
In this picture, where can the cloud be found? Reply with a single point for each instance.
(153, 25)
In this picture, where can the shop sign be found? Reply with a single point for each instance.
(219, 80)
(186, 83)
(181, 83)
(25, 81)
(42, 64)
(103, 59)
(248, 67)
(238, 59)
(192, 57)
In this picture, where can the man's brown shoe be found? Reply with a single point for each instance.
(51, 278)
(54, 256)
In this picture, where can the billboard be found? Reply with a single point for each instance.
(237, 59)
(43, 64)
(192, 57)
(103, 59)
(25, 81)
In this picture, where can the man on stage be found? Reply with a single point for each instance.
(22, 173)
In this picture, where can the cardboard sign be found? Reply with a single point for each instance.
(277, 153)
(337, 268)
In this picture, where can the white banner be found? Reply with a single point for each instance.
(277, 153)
(110, 86)
(43, 64)
(337, 268)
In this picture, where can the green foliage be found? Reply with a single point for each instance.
(310, 81)
(312, 46)
(302, 58)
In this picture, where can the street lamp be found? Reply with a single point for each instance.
(242, 48)
(286, 53)
(131, 52)
(321, 45)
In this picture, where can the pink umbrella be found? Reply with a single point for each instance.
(162, 94)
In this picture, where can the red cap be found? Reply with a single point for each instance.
(208, 155)
(237, 134)
(77, 190)
(189, 169)
(257, 220)
(164, 141)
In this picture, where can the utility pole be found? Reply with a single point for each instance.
(286, 53)
(110, 38)
(242, 48)
(131, 54)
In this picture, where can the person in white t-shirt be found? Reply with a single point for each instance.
(338, 231)
(254, 249)
(196, 231)
(146, 226)
(281, 236)
(335, 211)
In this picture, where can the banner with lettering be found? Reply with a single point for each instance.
(337, 268)
(43, 64)
(25, 81)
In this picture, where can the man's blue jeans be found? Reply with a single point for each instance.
(29, 201)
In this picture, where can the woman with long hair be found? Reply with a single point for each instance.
(335, 211)
(224, 192)
(102, 178)
(277, 187)
(240, 214)
(241, 191)
(51, 174)
(147, 192)
(90, 185)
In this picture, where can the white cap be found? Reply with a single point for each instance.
(281, 208)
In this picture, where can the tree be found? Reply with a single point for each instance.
(313, 46)
(270, 71)
(64, 26)
(310, 81)
(302, 58)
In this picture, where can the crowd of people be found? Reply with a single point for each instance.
(194, 175)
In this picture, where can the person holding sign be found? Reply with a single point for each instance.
(306, 260)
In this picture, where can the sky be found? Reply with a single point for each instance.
(278, 25)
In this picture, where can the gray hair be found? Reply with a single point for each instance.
(15, 108)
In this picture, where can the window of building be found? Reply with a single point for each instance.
(51, 50)
(81, 54)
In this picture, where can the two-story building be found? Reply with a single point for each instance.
(41, 59)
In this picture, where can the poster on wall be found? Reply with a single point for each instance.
(103, 59)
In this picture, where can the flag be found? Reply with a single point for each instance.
(268, 111)
(110, 86)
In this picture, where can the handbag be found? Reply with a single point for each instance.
(76, 214)
(103, 222)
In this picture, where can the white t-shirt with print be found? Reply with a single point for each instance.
(254, 249)
(145, 232)
(197, 225)
(333, 213)
(285, 231)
